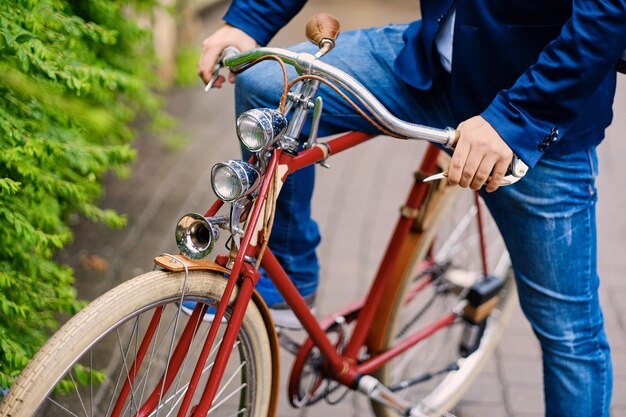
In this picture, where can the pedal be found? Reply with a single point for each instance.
(480, 313)
(482, 299)
(471, 337)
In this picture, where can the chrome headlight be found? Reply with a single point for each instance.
(257, 128)
(233, 179)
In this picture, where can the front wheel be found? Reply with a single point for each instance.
(83, 368)
(461, 248)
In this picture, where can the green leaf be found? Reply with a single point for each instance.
(24, 37)
(8, 186)
(23, 58)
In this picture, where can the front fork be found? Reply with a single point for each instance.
(248, 277)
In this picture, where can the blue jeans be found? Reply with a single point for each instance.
(547, 219)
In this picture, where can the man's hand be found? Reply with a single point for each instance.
(480, 153)
(213, 46)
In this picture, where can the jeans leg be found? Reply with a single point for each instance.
(548, 223)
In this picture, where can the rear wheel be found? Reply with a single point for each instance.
(81, 371)
(459, 249)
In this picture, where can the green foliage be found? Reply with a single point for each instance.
(73, 75)
(81, 375)
(186, 65)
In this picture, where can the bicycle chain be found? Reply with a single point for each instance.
(437, 271)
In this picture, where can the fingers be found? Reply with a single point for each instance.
(481, 156)
(208, 59)
(218, 82)
(457, 164)
(482, 172)
(213, 46)
(497, 174)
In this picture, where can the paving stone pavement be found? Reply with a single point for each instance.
(361, 194)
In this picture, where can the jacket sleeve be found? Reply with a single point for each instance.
(262, 19)
(548, 97)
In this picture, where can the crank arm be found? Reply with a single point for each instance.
(378, 392)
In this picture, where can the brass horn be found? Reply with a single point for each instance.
(196, 235)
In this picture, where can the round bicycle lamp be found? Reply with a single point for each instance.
(257, 128)
(234, 179)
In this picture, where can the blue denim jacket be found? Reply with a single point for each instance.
(541, 72)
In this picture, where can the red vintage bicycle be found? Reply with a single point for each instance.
(413, 345)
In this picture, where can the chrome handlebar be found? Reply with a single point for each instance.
(309, 64)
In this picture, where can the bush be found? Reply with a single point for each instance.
(73, 75)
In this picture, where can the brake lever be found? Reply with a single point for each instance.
(514, 173)
(228, 52)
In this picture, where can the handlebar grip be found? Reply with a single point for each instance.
(322, 28)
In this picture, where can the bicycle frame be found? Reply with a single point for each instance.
(343, 367)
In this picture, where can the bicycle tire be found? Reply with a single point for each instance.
(122, 311)
(438, 394)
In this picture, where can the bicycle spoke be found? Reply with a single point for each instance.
(179, 395)
(429, 356)
(169, 357)
(91, 381)
(155, 348)
(80, 397)
(219, 394)
(102, 390)
(125, 369)
(418, 351)
(61, 407)
(117, 384)
(141, 384)
(444, 252)
(181, 391)
(243, 410)
(215, 406)
(192, 354)
(143, 381)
